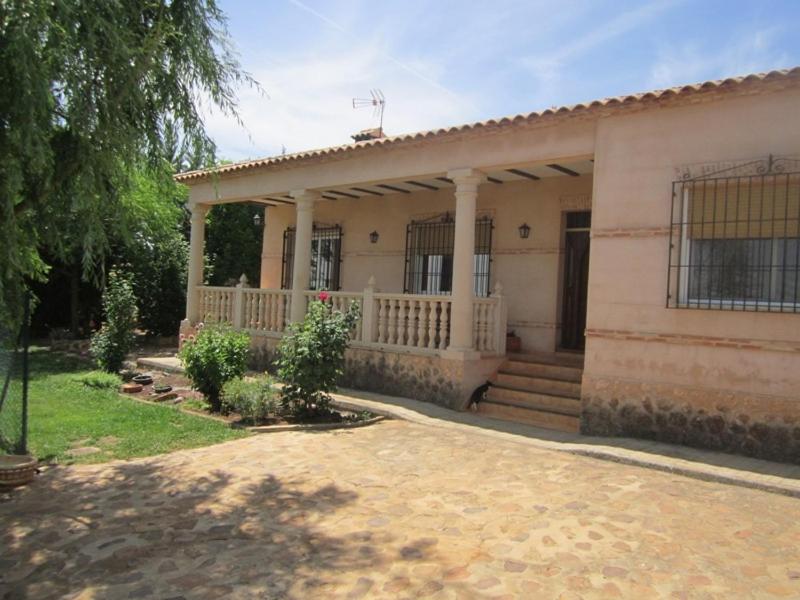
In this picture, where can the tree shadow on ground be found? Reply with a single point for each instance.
(44, 362)
(152, 529)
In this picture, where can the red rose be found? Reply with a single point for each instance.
(323, 296)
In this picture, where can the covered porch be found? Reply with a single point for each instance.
(442, 265)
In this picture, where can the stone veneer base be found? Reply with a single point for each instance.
(428, 378)
(760, 426)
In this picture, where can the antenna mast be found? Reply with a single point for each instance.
(377, 101)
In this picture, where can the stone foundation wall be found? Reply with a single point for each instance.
(262, 353)
(759, 426)
(426, 378)
(441, 381)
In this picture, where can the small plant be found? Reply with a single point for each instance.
(253, 399)
(311, 357)
(216, 356)
(99, 380)
(114, 341)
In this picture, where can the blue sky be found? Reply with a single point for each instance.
(446, 62)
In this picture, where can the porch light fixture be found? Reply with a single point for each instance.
(373, 237)
(257, 219)
(524, 231)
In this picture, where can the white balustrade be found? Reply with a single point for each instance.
(216, 304)
(489, 320)
(482, 324)
(412, 322)
(266, 310)
(418, 324)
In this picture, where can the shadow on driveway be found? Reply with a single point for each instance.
(145, 529)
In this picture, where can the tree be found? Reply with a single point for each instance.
(233, 244)
(158, 253)
(147, 237)
(93, 89)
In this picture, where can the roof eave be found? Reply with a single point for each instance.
(597, 108)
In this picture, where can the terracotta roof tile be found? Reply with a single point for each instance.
(721, 84)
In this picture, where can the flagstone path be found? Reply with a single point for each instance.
(395, 510)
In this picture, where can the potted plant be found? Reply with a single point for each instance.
(513, 342)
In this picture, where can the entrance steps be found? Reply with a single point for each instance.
(541, 389)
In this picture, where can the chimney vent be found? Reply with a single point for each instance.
(368, 134)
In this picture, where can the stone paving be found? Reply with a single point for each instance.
(395, 510)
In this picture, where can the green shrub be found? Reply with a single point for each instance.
(311, 357)
(216, 356)
(253, 399)
(99, 380)
(114, 341)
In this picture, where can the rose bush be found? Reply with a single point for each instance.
(311, 357)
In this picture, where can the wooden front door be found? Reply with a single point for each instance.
(576, 280)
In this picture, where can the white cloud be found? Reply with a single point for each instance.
(311, 93)
(310, 102)
(548, 68)
(690, 62)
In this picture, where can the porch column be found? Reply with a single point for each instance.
(262, 282)
(301, 270)
(195, 272)
(463, 293)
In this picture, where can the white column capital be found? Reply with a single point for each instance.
(199, 211)
(466, 177)
(304, 199)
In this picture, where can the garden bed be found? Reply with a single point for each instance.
(186, 399)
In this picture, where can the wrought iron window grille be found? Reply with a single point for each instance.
(429, 255)
(735, 238)
(326, 257)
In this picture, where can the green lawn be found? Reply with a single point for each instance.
(65, 414)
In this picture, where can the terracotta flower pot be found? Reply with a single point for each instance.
(513, 343)
(17, 470)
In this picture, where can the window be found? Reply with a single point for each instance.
(326, 250)
(735, 239)
(429, 256)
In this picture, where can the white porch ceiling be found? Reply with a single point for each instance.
(418, 184)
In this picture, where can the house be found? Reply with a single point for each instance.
(645, 250)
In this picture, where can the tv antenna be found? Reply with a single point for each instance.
(377, 101)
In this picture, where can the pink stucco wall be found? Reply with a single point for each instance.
(729, 368)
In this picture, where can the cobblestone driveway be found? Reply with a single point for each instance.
(396, 510)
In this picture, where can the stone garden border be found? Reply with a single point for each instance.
(314, 426)
(269, 428)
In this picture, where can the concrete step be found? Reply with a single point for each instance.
(563, 359)
(542, 370)
(542, 385)
(533, 400)
(539, 418)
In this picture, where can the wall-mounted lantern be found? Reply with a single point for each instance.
(524, 231)
(373, 237)
(257, 219)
